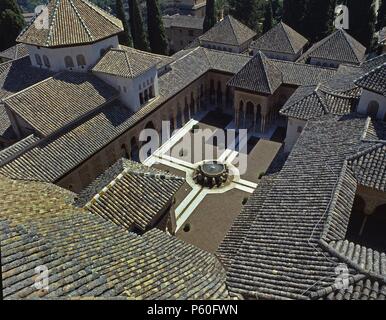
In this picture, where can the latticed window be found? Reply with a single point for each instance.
(69, 63)
(46, 61)
(38, 59)
(80, 60)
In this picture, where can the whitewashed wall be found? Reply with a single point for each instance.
(292, 132)
(130, 88)
(91, 52)
(367, 97)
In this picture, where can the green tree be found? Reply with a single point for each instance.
(125, 36)
(246, 11)
(210, 15)
(293, 14)
(268, 17)
(362, 21)
(155, 27)
(11, 23)
(136, 26)
(381, 20)
(319, 19)
(277, 9)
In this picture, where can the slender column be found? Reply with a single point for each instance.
(254, 117)
(182, 116)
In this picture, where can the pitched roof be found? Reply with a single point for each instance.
(15, 52)
(130, 194)
(95, 132)
(369, 167)
(19, 74)
(71, 22)
(87, 256)
(129, 62)
(309, 102)
(228, 31)
(54, 103)
(339, 46)
(259, 75)
(6, 130)
(300, 74)
(287, 251)
(374, 81)
(17, 148)
(183, 21)
(281, 38)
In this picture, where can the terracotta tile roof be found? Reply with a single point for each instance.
(259, 75)
(183, 21)
(374, 80)
(281, 38)
(71, 147)
(58, 101)
(19, 74)
(228, 31)
(17, 148)
(129, 63)
(300, 74)
(71, 22)
(286, 253)
(339, 46)
(15, 52)
(131, 194)
(88, 256)
(265, 75)
(310, 102)
(369, 167)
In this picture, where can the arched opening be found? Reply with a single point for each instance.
(38, 60)
(186, 114)
(211, 91)
(367, 230)
(46, 61)
(374, 230)
(219, 93)
(124, 152)
(258, 115)
(68, 62)
(172, 127)
(228, 97)
(134, 153)
(141, 99)
(191, 106)
(151, 92)
(384, 117)
(80, 60)
(372, 108)
(146, 95)
(241, 113)
(179, 116)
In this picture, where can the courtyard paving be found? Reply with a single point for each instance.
(205, 215)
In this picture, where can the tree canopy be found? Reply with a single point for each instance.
(11, 23)
(155, 27)
(210, 15)
(125, 36)
(136, 26)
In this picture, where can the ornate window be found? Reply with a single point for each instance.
(38, 59)
(80, 60)
(69, 63)
(46, 61)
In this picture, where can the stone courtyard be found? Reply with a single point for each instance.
(204, 215)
